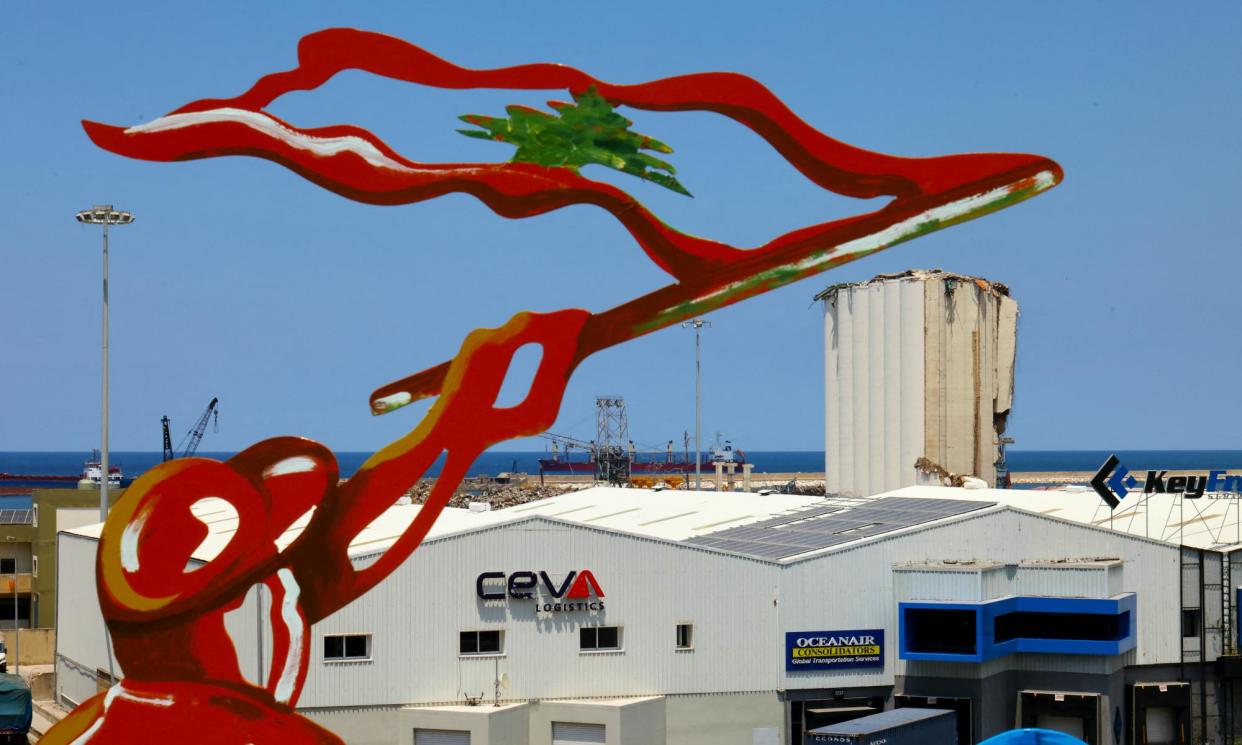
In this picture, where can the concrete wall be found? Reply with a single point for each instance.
(376, 726)
(74, 683)
(83, 507)
(508, 724)
(630, 722)
(35, 647)
(729, 719)
(725, 719)
(18, 551)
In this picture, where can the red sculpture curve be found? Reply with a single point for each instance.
(182, 677)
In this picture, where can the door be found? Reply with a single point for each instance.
(962, 708)
(1160, 727)
(441, 737)
(1160, 713)
(574, 733)
(1072, 726)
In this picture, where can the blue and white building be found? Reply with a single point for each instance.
(636, 616)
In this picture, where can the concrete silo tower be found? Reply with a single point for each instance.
(919, 380)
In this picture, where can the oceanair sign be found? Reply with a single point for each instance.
(576, 591)
(1113, 482)
(834, 650)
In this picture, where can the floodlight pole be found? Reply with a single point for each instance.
(17, 632)
(104, 214)
(697, 324)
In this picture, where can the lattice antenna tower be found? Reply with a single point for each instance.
(612, 435)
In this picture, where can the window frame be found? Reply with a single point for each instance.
(596, 649)
(500, 642)
(369, 656)
(689, 645)
(1196, 615)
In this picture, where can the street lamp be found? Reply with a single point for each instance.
(105, 215)
(697, 324)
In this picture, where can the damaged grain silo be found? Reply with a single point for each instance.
(919, 380)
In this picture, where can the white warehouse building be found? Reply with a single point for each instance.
(629, 616)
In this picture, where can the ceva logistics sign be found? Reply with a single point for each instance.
(833, 650)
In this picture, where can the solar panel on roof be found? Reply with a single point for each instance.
(16, 517)
(795, 516)
(821, 527)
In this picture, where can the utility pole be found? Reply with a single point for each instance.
(698, 324)
(17, 632)
(105, 215)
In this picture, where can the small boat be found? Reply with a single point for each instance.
(92, 473)
(89, 478)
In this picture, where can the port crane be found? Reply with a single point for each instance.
(565, 442)
(195, 435)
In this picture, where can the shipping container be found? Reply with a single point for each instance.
(909, 726)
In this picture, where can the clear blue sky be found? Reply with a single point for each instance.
(243, 281)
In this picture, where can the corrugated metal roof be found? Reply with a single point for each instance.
(1210, 522)
(822, 528)
(667, 515)
(778, 527)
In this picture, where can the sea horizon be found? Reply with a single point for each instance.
(133, 462)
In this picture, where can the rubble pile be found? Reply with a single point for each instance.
(499, 495)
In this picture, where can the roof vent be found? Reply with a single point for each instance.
(480, 506)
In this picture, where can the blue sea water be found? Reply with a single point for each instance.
(490, 463)
(766, 461)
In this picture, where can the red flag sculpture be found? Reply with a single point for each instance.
(182, 678)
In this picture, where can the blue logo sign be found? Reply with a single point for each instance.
(834, 650)
(1113, 482)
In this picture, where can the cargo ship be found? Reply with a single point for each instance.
(90, 478)
(563, 460)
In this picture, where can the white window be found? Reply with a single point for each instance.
(591, 638)
(441, 737)
(340, 647)
(34, 565)
(34, 516)
(481, 642)
(685, 636)
(576, 733)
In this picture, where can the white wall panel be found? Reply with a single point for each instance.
(1065, 581)
(930, 584)
(416, 614)
(860, 592)
(740, 609)
(80, 631)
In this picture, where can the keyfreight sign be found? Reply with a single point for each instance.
(834, 650)
(1113, 482)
